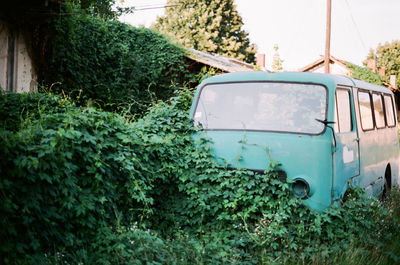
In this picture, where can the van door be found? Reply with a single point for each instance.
(346, 155)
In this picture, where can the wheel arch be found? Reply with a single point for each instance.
(388, 175)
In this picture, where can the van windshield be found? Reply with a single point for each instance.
(262, 106)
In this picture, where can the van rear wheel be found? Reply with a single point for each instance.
(387, 183)
(385, 190)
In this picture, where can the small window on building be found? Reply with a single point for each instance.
(343, 114)
(389, 111)
(378, 111)
(364, 102)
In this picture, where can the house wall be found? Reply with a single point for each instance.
(16, 68)
(3, 56)
(26, 80)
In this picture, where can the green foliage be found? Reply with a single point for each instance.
(209, 26)
(16, 109)
(111, 64)
(277, 61)
(291, 233)
(85, 186)
(387, 56)
(365, 74)
(103, 8)
(65, 176)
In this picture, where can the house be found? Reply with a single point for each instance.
(198, 59)
(336, 66)
(341, 67)
(17, 73)
(20, 52)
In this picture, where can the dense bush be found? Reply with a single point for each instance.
(111, 64)
(66, 175)
(85, 186)
(15, 109)
(365, 74)
(253, 215)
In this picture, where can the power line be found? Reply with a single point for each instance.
(84, 13)
(355, 25)
(159, 6)
(155, 7)
(149, 5)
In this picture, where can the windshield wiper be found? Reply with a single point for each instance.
(326, 123)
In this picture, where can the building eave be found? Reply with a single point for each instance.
(228, 65)
(321, 61)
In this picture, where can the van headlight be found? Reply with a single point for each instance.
(300, 188)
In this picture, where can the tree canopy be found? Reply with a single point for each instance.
(209, 26)
(277, 61)
(104, 8)
(387, 56)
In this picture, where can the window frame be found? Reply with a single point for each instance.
(11, 63)
(371, 108)
(393, 110)
(383, 107)
(266, 81)
(348, 90)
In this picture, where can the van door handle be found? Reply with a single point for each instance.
(356, 140)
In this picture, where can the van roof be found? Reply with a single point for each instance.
(301, 77)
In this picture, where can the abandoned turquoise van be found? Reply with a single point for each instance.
(329, 132)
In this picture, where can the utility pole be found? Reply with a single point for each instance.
(328, 35)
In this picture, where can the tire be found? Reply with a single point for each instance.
(385, 190)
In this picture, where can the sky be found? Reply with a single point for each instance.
(298, 27)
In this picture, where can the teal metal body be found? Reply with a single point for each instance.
(328, 162)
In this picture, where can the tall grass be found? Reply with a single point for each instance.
(387, 248)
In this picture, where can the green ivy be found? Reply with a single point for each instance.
(85, 186)
(110, 64)
(365, 74)
(65, 176)
(17, 109)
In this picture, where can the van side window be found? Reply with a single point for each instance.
(364, 102)
(336, 124)
(389, 111)
(378, 111)
(343, 110)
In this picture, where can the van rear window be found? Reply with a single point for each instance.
(343, 108)
(262, 106)
(389, 111)
(364, 101)
(378, 111)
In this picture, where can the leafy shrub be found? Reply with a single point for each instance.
(67, 175)
(18, 108)
(253, 215)
(365, 74)
(85, 186)
(112, 64)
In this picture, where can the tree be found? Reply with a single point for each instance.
(387, 56)
(277, 61)
(104, 8)
(212, 26)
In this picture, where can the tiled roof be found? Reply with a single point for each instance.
(225, 64)
(322, 61)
